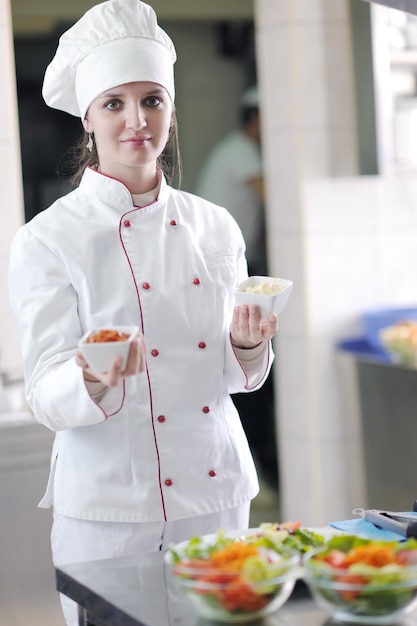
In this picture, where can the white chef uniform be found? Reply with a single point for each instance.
(166, 444)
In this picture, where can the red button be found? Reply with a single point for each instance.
(196, 281)
(202, 345)
(161, 418)
(168, 482)
(173, 223)
(154, 352)
(212, 473)
(146, 286)
(127, 223)
(206, 409)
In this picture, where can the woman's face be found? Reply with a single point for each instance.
(130, 125)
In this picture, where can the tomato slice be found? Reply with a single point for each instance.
(336, 558)
(350, 594)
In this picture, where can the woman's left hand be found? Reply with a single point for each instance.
(248, 329)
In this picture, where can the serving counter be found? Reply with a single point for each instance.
(380, 397)
(27, 594)
(136, 591)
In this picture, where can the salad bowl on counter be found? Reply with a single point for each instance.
(400, 340)
(240, 576)
(363, 581)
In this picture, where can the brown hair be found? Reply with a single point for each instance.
(169, 161)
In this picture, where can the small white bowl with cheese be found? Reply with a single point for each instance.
(268, 293)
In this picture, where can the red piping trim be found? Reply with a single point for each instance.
(147, 370)
(243, 369)
(123, 400)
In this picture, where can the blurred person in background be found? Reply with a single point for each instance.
(232, 176)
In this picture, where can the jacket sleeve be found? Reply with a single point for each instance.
(241, 379)
(45, 305)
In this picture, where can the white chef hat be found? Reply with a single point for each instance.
(115, 42)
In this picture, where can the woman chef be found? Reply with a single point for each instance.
(155, 453)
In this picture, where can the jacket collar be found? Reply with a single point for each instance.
(113, 192)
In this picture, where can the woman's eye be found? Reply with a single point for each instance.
(113, 105)
(153, 101)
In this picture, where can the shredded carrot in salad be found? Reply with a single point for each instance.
(232, 557)
(372, 554)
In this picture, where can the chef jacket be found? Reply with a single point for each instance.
(167, 443)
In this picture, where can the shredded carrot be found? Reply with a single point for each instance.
(107, 335)
(371, 554)
(232, 557)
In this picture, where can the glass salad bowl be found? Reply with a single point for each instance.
(363, 581)
(400, 340)
(234, 577)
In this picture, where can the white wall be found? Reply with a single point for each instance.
(348, 244)
(11, 197)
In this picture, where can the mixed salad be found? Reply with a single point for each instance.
(241, 574)
(364, 576)
(292, 535)
(401, 340)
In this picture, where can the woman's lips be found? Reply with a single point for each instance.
(136, 141)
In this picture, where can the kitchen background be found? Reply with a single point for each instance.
(339, 103)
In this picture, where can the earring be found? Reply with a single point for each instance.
(90, 143)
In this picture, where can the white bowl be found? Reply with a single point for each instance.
(99, 355)
(266, 303)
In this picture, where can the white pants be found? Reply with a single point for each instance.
(75, 541)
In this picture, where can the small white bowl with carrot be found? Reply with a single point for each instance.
(99, 346)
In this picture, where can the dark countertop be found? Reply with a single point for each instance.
(136, 592)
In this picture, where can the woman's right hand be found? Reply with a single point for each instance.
(136, 363)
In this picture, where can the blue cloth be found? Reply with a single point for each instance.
(366, 529)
